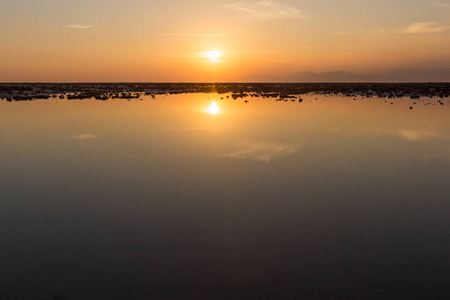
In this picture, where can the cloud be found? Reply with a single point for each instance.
(439, 4)
(412, 29)
(265, 10)
(188, 34)
(85, 136)
(263, 152)
(78, 26)
(341, 33)
(419, 135)
(425, 27)
(362, 31)
(293, 48)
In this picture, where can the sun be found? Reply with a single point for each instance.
(213, 55)
(213, 109)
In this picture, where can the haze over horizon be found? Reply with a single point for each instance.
(223, 40)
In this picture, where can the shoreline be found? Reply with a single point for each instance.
(105, 91)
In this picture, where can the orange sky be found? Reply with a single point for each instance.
(139, 40)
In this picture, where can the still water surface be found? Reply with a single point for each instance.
(180, 198)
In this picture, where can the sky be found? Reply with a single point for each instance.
(171, 40)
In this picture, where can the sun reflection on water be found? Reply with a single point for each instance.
(213, 109)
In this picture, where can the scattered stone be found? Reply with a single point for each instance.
(282, 91)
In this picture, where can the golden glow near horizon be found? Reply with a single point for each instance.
(213, 109)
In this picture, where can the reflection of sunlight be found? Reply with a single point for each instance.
(419, 135)
(264, 152)
(213, 109)
(86, 136)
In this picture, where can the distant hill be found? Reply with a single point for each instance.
(339, 76)
(392, 75)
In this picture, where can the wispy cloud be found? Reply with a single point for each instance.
(440, 4)
(341, 33)
(85, 136)
(78, 26)
(293, 48)
(425, 27)
(265, 10)
(187, 34)
(362, 31)
(412, 29)
(263, 152)
(419, 135)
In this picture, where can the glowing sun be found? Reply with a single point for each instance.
(213, 109)
(213, 55)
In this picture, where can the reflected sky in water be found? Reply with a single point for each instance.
(178, 197)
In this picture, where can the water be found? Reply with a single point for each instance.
(331, 198)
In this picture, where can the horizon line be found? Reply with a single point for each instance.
(209, 82)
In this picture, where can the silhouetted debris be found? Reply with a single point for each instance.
(238, 95)
(279, 91)
(30, 97)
